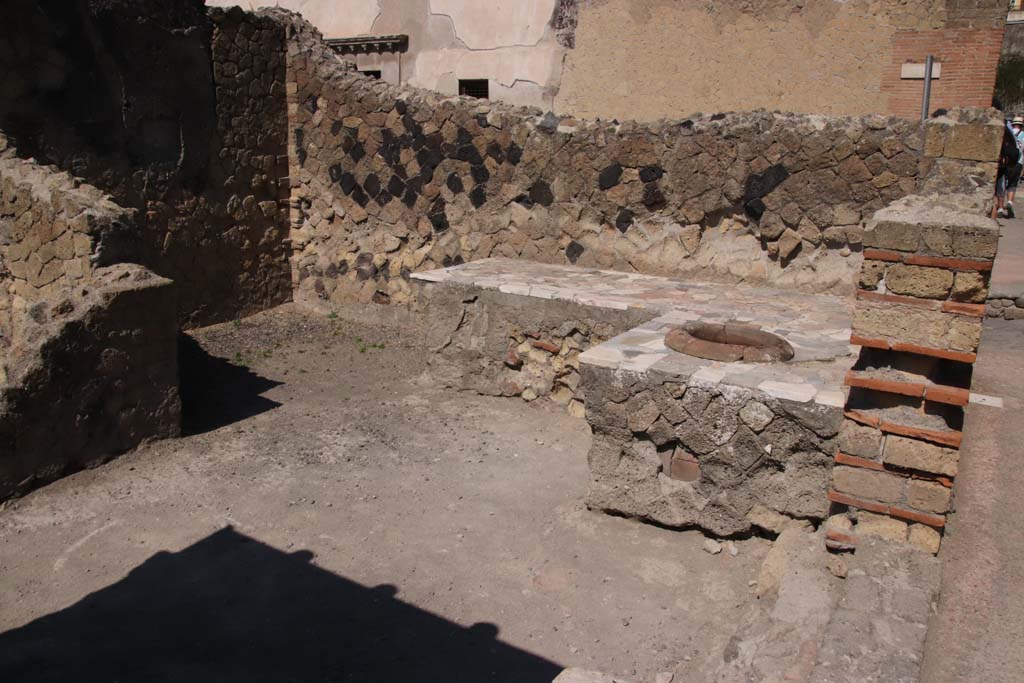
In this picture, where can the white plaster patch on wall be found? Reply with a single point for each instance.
(504, 66)
(497, 23)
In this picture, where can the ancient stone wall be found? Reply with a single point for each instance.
(387, 181)
(175, 113)
(918, 319)
(53, 232)
(95, 375)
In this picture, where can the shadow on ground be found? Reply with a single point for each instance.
(230, 608)
(216, 392)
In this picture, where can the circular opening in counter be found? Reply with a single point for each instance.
(729, 342)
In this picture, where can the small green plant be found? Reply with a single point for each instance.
(363, 347)
(332, 316)
(236, 323)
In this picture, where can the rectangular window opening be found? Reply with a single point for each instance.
(371, 73)
(475, 87)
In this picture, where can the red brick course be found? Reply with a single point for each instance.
(854, 379)
(949, 438)
(936, 521)
(949, 263)
(951, 395)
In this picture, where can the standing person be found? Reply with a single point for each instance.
(1009, 159)
(1013, 174)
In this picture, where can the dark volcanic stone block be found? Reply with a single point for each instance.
(574, 251)
(609, 176)
(347, 181)
(478, 197)
(396, 186)
(514, 154)
(437, 216)
(650, 174)
(372, 185)
(755, 208)
(480, 174)
(624, 220)
(359, 196)
(495, 151)
(653, 197)
(540, 193)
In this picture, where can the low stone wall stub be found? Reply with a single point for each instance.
(686, 453)
(54, 229)
(503, 344)
(98, 376)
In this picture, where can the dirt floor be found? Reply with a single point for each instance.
(336, 514)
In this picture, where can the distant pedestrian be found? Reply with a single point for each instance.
(1009, 168)
(1013, 176)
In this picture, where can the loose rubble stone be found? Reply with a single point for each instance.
(769, 520)
(712, 546)
(925, 538)
(837, 566)
(756, 415)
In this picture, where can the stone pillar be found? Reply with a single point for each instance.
(918, 318)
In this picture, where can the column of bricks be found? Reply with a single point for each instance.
(917, 318)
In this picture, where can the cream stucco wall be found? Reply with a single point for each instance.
(651, 59)
(648, 59)
(508, 42)
(490, 24)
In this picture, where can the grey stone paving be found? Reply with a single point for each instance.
(877, 633)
